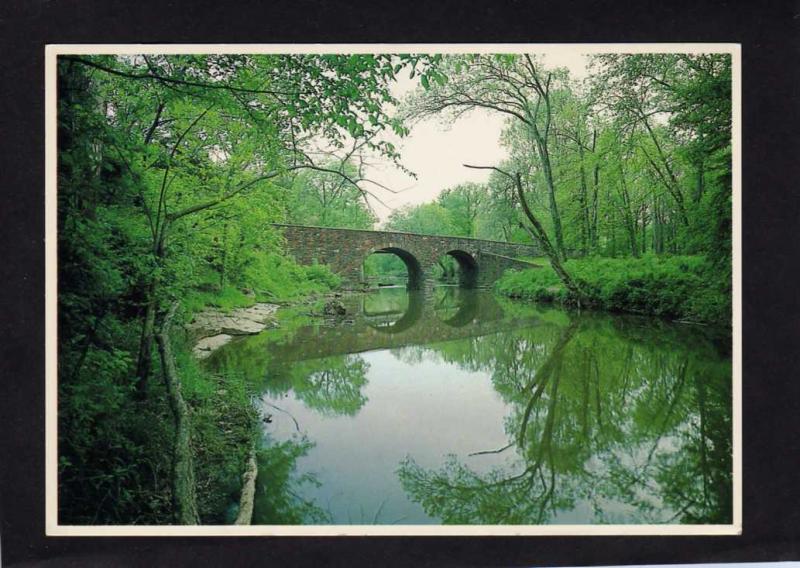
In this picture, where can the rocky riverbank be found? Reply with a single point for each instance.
(212, 328)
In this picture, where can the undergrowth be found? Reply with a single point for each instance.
(677, 287)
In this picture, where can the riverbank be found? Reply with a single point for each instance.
(680, 288)
(212, 328)
(225, 423)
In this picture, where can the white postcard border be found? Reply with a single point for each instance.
(53, 528)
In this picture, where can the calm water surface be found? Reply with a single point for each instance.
(459, 407)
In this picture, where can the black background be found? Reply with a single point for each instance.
(770, 36)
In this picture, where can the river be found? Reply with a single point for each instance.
(458, 407)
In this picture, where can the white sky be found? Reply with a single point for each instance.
(436, 151)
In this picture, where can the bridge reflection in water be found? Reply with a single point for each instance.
(389, 318)
(396, 318)
(398, 310)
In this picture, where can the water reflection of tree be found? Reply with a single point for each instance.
(330, 385)
(278, 498)
(630, 429)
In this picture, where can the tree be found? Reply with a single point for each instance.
(513, 85)
(205, 108)
(326, 199)
(168, 148)
(538, 233)
(463, 203)
(426, 219)
(682, 103)
(591, 406)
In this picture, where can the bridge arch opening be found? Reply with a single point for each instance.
(382, 267)
(458, 267)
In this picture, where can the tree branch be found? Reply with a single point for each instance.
(151, 76)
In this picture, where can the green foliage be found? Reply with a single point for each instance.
(277, 277)
(426, 219)
(388, 267)
(539, 284)
(228, 298)
(326, 199)
(463, 203)
(272, 277)
(634, 159)
(171, 169)
(124, 479)
(330, 385)
(679, 287)
(111, 466)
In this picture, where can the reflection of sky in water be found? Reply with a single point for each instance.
(426, 410)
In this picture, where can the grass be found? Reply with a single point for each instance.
(676, 287)
(228, 298)
(271, 278)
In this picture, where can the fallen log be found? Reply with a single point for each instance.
(247, 500)
(184, 497)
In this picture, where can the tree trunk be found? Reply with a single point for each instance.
(184, 498)
(584, 204)
(538, 233)
(144, 360)
(544, 157)
(593, 239)
(224, 262)
(657, 248)
(644, 229)
(700, 187)
(613, 238)
(669, 180)
(632, 238)
(551, 194)
(628, 215)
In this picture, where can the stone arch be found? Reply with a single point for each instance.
(468, 268)
(416, 276)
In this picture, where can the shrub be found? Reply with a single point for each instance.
(271, 276)
(322, 275)
(678, 287)
(277, 277)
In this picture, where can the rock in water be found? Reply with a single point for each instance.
(334, 308)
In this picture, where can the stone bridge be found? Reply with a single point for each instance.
(480, 262)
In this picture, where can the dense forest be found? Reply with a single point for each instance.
(171, 170)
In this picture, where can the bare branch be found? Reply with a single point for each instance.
(505, 173)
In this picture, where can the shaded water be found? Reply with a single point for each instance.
(463, 408)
